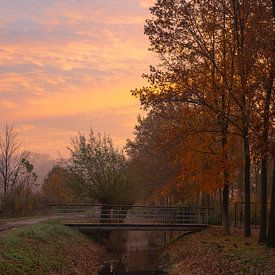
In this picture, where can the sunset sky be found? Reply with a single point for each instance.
(68, 65)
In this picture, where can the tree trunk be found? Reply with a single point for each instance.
(266, 122)
(225, 191)
(263, 224)
(271, 227)
(247, 166)
(225, 213)
(5, 188)
(105, 216)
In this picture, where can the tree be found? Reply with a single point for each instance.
(149, 159)
(208, 58)
(267, 102)
(175, 157)
(103, 169)
(271, 226)
(21, 199)
(60, 186)
(17, 176)
(186, 36)
(15, 167)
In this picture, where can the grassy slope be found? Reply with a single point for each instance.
(48, 248)
(209, 252)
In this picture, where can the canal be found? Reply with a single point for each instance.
(136, 252)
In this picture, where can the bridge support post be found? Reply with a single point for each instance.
(105, 215)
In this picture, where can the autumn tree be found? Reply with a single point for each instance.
(150, 162)
(266, 123)
(60, 186)
(253, 23)
(208, 59)
(173, 152)
(186, 36)
(271, 226)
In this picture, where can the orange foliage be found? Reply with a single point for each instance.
(56, 186)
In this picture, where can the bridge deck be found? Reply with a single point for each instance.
(140, 218)
(137, 227)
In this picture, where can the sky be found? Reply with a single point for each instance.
(68, 65)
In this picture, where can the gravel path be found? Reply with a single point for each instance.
(7, 225)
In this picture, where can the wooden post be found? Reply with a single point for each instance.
(255, 215)
(241, 213)
(235, 218)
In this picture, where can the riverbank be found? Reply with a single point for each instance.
(209, 252)
(49, 248)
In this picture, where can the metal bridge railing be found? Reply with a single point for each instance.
(132, 214)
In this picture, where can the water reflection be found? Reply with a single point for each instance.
(140, 253)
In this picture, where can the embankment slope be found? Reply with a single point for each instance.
(49, 248)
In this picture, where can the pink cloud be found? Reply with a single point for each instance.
(147, 3)
(65, 58)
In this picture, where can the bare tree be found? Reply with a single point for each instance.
(12, 159)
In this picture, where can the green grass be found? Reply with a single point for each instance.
(35, 249)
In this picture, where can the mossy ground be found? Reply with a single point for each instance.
(209, 252)
(48, 248)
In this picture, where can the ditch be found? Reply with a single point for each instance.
(135, 252)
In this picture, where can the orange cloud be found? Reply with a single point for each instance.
(147, 3)
(68, 60)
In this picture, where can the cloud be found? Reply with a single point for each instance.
(61, 60)
(8, 104)
(147, 3)
(56, 132)
(42, 56)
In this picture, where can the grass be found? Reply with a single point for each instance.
(209, 252)
(41, 249)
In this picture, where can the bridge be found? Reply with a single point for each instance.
(136, 217)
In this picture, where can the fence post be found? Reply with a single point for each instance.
(199, 221)
(255, 216)
(235, 223)
(241, 214)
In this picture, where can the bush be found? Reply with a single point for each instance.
(22, 201)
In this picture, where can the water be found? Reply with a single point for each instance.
(137, 253)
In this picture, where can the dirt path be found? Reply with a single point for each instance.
(7, 225)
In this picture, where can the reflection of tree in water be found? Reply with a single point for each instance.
(117, 242)
(135, 251)
(142, 251)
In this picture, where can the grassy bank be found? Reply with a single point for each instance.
(209, 252)
(48, 248)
